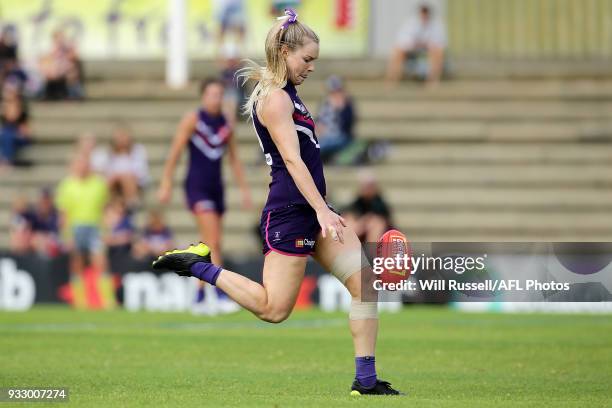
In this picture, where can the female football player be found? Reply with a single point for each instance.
(296, 221)
(209, 136)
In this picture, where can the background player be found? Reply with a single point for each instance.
(209, 136)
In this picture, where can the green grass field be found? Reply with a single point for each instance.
(441, 357)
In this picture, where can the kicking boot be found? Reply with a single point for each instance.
(181, 260)
(380, 388)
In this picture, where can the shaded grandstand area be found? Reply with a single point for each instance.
(500, 152)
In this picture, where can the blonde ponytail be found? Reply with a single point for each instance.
(288, 32)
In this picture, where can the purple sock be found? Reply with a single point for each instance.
(365, 371)
(206, 271)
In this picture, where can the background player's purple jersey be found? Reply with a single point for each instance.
(283, 191)
(206, 149)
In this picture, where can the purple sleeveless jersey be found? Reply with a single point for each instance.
(204, 183)
(283, 191)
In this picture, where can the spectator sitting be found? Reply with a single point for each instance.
(156, 239)
(124, 165)
(336, 119)
(8, 49)
(8, 44)
(21, 226)
(45, 228)
(16, 76)
(119, 233)
(15, 131)
(417, 36)
(62, 70)
(81, 198)
(369, 215)
(9, 60)
(119, 225)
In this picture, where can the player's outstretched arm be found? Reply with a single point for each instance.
(183, 133)
(239, 172)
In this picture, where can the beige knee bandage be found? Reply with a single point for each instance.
(348, 263)
(363, 310)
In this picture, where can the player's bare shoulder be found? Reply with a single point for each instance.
(274, 106)
(190, 118)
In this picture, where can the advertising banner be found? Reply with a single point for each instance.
(136, 29)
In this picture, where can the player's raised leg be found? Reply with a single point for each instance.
(274, 300)
(271, 302)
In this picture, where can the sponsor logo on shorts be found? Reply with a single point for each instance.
(276, 236)
(302, 242)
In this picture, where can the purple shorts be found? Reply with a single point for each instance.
(202, 201)
(290, 230)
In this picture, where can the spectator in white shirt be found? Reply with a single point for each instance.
(422, 33)
(124, 165)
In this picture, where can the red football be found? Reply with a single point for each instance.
(391, 244)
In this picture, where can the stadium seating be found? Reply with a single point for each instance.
(519, 154)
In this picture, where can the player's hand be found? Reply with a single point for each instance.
(332, 224)
(164, 192)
